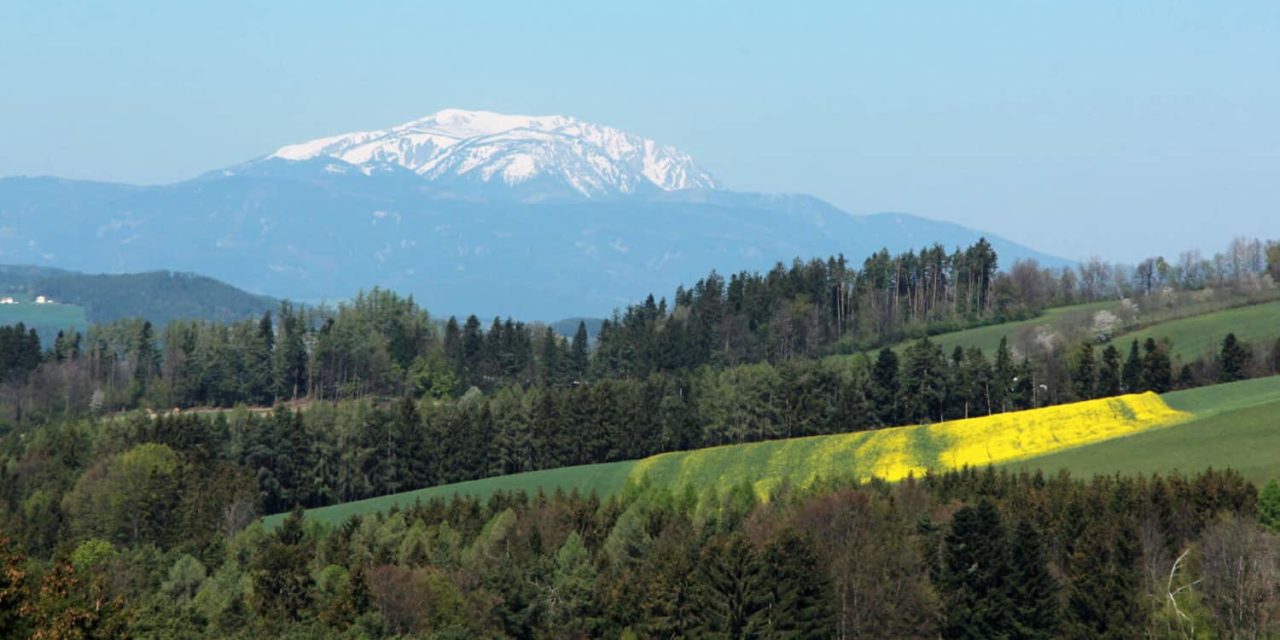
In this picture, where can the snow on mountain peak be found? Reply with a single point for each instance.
(485, 146)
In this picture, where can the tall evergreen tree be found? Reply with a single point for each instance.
(1084, 372)
(1002, 378)
(797, 601)
(1157, 370)
(924, 379)
(1233, 362)
(1033, 590)
(975, 578)
(1109, 373)
(579, 353)
(885, 387)
(732, 589)
(1131, 375)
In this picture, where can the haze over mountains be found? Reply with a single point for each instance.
(470, 211)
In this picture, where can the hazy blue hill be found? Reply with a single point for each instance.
(319, 230)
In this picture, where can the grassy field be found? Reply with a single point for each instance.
(988, 338)
(43, 315)
(1234, 426)
(1237, 426)
(1198, 335)
(604, 479)
(1195, 333)
(891, 454)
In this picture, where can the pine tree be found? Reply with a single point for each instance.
(1109, 373)
(1233, 364)
(1033, 592)
(974, 578)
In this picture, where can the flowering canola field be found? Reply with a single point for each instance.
(892, 454)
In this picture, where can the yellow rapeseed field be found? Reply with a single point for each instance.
(892, 454)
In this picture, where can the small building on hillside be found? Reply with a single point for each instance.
(8, 300)
(43, 300)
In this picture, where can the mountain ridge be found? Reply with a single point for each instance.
(320, 228)
(459, 144)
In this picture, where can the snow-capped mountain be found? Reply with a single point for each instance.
(469, 211)
(456, 145)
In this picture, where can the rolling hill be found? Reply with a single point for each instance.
(1193, 330)
(1235, 425)
(82, 299)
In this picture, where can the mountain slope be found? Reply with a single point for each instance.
(407, 208)
(470, 146)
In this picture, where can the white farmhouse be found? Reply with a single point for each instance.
(8, 300)
(43, 300)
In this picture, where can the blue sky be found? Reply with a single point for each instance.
(1112, 128)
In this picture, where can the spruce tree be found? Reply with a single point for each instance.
(1131, 375)
(797, 601)
(1002, 377)
(1109, 376)
(1033, 591)
(731, 589)
(924, 379)
(1104, 596)
(885, 387)
(1157, 371)
(1084, 373)
(1233, 363)
(578, 354)
(974, 578)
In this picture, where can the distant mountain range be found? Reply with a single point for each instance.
(469, 211)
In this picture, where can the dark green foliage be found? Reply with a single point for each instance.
(1110, 381)
(1131, 376)
(1033, 590)
(1269, 505)
(797, 603)
(19, 352)
(924, 382)
(1233, 361)
(884, 390)
(1084, 373)
(1103, 600)
(282, 581)
(732, 590)
(975, 576)
(1157, 370)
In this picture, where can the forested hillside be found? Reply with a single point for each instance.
(158, 296)
(131, 484)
